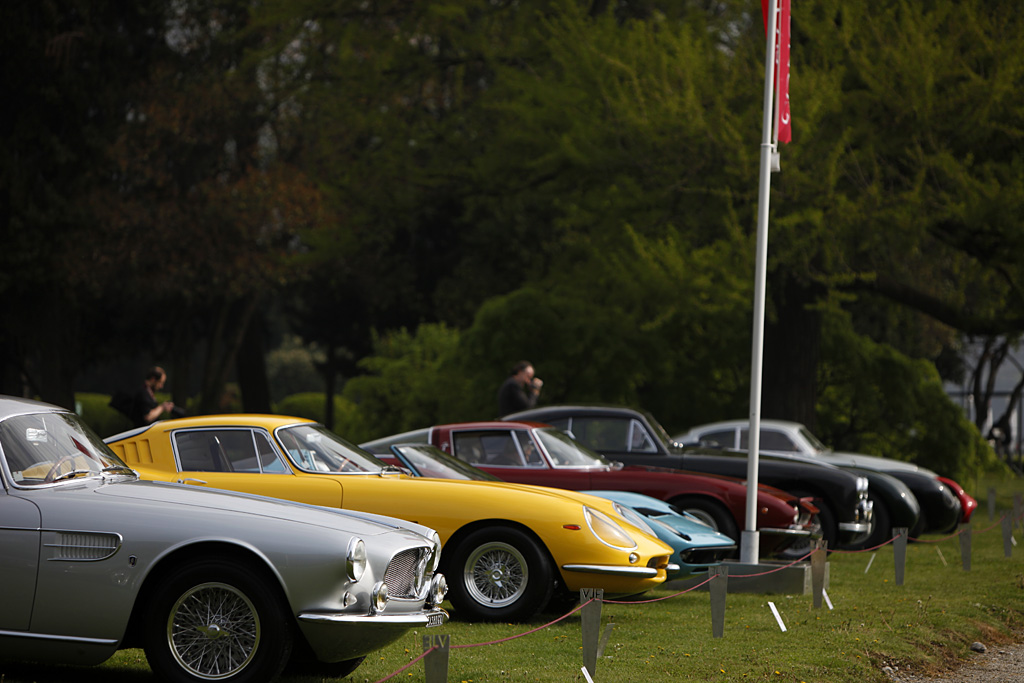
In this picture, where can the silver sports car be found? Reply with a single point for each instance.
(213, 585)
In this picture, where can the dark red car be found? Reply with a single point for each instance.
(533, 453)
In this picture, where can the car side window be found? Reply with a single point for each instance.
(487, 448)
(602, 434)
(770, 441)
(640, 440)
(529, 449)
(726, 438)
(226, 450)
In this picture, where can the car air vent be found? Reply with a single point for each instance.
(404, 575)
(78, 546)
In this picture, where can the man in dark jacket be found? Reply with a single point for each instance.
(520, 389)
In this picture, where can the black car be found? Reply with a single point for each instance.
(636, 438)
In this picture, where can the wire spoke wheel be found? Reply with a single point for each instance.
(213, 631)
(496, 574)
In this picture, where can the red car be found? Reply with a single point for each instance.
(533, 453)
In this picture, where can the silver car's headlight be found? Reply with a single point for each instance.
(355, 559)
(435, 558)
(379, 597)
(438, 590)
(607, 531)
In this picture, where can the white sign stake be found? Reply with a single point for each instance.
(778, 618)
(827, 601)
(586, 674)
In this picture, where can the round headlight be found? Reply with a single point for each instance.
(438, 590)
(436, 557)
(607, 531)
(355, 559)
(379, 597)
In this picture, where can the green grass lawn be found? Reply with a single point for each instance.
(925, 625)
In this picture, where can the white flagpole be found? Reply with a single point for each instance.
(750, 538)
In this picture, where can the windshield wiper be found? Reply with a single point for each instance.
(72, 473)
(118, 468)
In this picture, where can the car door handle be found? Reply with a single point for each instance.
(192, 481)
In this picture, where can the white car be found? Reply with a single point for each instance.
(943, 503)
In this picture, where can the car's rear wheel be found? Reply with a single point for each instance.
(711, 512)
(499, 574)
(215, 620)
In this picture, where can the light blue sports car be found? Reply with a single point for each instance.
(697, 546)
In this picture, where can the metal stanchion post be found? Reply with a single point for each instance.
(965, 546)
(818, 559)
(435, 663)
(590, 616)
(718, 587)
(900, 552)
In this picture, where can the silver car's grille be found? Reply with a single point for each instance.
(404, 575)
(83, 546)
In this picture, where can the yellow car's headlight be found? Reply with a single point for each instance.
(607, 531)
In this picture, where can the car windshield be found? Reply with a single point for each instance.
(43, 448)
(314, 448)
(429, 461)
(815, 442)
(565, 452)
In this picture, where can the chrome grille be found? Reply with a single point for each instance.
(83, 547)
(404, 575)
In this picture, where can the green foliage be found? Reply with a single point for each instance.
(291, 368)
(408, 383)
(310, 405)
(96, 411)
(876, 400)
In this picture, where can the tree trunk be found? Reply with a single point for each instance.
(792, 349)
(252, 369)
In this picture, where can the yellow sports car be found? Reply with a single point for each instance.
(509, 550)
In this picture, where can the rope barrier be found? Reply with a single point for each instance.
(772, 571)
(392, 675)
(525, 633)
(865, 550)
(667, 597)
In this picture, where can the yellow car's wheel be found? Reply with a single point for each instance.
(499, 574)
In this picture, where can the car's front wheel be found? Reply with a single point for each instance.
(499, 574)
(217, 620)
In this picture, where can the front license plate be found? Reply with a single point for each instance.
(435, 620)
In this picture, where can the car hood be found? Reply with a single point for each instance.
(872, 462)
(173, 496)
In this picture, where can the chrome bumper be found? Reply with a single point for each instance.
(612, 570)
(336, 637)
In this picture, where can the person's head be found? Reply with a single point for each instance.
(523, 371)
(156, 377)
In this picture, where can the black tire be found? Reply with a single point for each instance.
(499, 574)
(251, 624)
(881, 526)
(711, 512)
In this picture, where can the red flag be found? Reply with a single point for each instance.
(781, 65)
(782, 74)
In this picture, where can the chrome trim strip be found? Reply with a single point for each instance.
(47, 636)
(642, 572)
(432, 618)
